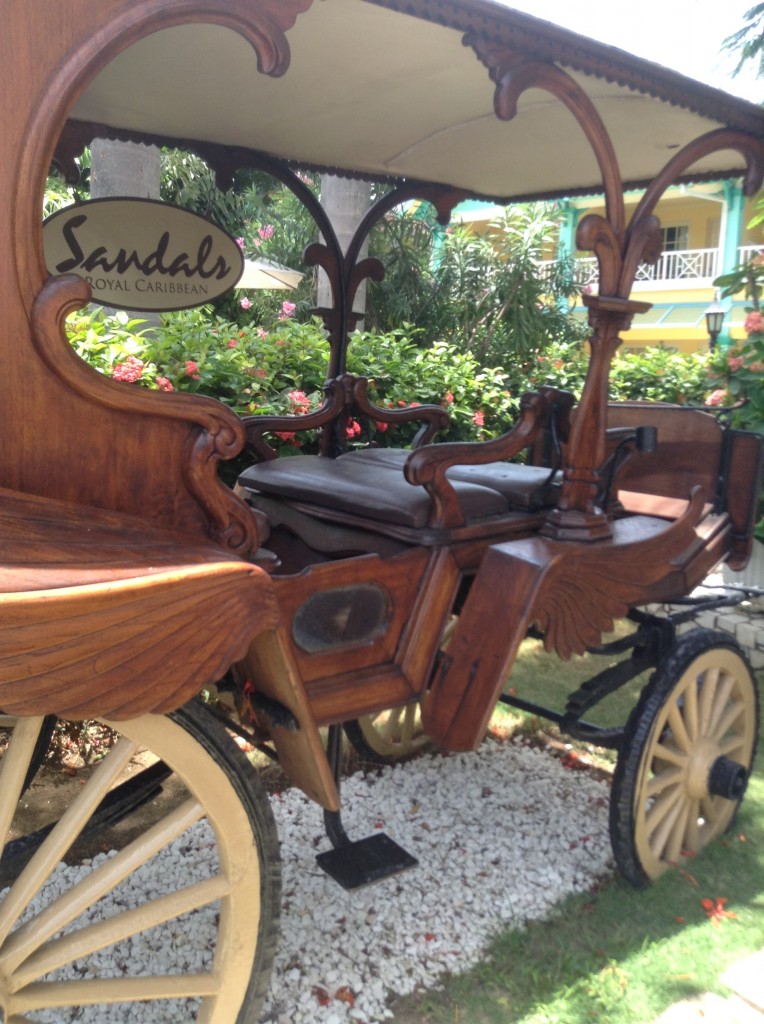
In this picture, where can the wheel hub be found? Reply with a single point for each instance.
(727, 779)
(700, 763)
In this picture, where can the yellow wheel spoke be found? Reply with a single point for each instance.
(14, 768)
(37, 871)
(731, 716)
(734, 747)
(692, 831)
(409, 724)
(94, 937)
(707, 694)
(662, 781)
(663, 753)
(666, 829)
(678, 728)
(721, 697)
(662, 807)
(114, 990)
(30, 936)
(676, 837)
(690, 713)
(389, 725)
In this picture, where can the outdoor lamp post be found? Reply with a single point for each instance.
(714, 318)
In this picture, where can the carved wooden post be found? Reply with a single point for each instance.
(577, 517)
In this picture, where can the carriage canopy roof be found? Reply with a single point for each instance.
(400, 89)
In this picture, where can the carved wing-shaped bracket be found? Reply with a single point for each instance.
(587, 587)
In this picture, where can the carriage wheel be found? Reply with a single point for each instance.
(190, 936)
(685, 757)
(389, 736)
(396, 734)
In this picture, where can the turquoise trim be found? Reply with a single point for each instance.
(733, 235)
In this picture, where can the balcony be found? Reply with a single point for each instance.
(695, 268)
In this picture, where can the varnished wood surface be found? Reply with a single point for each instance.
(103, 615)
(572, 592)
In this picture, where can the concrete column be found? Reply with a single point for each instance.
(345, 202)
(125, 169)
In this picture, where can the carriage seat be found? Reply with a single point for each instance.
(370, 484)
(434, 494)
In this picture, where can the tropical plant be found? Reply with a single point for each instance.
(483, 293)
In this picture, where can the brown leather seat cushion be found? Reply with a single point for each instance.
(367, 487)
(524, 487)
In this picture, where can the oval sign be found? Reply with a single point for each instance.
(142, 254)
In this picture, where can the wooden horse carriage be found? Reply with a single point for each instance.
(327, 589)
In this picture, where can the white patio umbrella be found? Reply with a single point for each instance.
(267, 274)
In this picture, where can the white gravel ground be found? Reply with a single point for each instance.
(501, 837)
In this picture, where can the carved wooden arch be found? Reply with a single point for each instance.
(618, 249)
(263, 26)
(112, 447)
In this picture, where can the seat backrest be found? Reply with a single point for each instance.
(689, 453)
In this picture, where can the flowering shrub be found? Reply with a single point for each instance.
(280, 368)
(650, 374)
(738, 372)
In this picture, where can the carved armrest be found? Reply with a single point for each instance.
(256, 427)
(162, 450)
(346, 397)
(428, 466)
(433, 417)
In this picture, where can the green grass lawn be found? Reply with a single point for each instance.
(617, 955)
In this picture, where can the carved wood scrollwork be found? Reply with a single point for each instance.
(219, 434)
(618, 249)
(346, 272)
(585, 589)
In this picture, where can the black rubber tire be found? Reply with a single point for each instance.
(711, 657)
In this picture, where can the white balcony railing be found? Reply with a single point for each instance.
(688, 265)
(747, 252)
(680, 265)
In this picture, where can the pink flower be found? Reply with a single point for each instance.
(381, 427)
(287, 309)
(130, 371)
(716, 397)
(164, 384)
(478, 418)
(448, 399)
(246, 303)
(265, 232)
(261, 333)
(734, 363)
(353, 429)
(285, 435)
(240, 243)
(754, 323)
(192, 370)
(299, 401)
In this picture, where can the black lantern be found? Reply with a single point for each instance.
(714, 319)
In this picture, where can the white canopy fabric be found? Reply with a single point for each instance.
(388, 89)
(262, 274)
